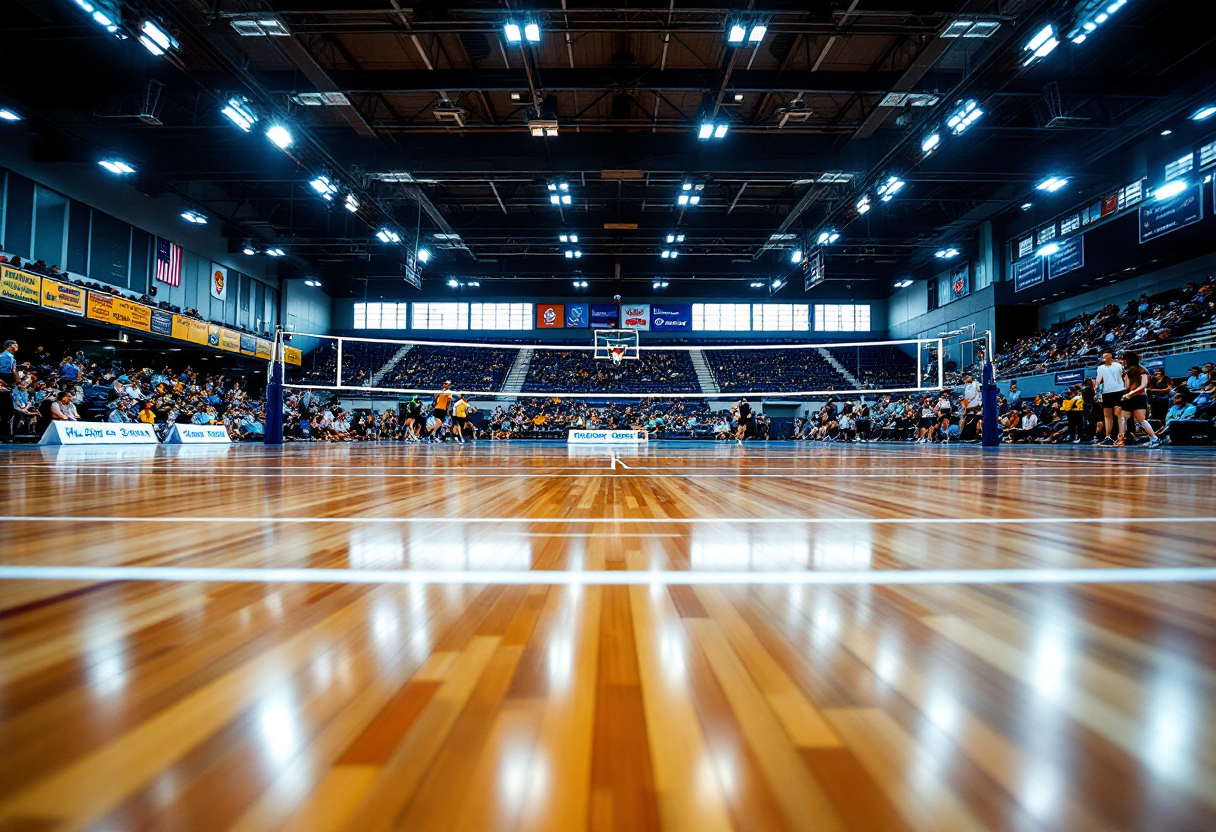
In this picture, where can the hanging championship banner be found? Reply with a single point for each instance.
(219, 282)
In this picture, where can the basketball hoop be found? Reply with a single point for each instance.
(616, 354)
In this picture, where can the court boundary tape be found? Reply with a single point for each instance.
(904, 577)
(818, 521)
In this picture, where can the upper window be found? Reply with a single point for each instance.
(500, 316)
(722, 317)
(842, 317)
(381, 315)
(441, 315)
(780, 317)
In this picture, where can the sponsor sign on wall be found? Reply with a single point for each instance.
(550, 316)
(197, 435)
(249, 344)
(670, 318)
(98, 433)
(292, 355)
(265, 349)
(635, 316)
(578, 316)
(219, 282)
(138, 316)
(17, 285)
(602, 437)
(1161, 217)
(162, 322)
(213, 335)
(1027, 272)
(1070, 377)
(1070, 257)
(230, 341)
(63, 297)
(603, 316)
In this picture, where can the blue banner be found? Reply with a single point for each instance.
(1070, 377)
(1027, 272)
(1154, 363)
(670, 318)
(603, 315)
(578, 316)
(1070, 257)
(162, 322)
(1158, 217)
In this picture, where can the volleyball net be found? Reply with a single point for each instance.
(381, 368)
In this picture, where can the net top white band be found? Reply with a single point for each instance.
(531, 345)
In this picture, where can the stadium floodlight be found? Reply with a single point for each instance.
(312, 282)
(757, 284)
(826, 238)
(1047, 250)
(116, 166)
(424, 255)
(1204, 113)
(946, 253)
(1087, 21)
(513, 32)
(240, 113)
(566, 199)
(796, 256)
(695, 199)
(736, 35)
(1026, 206)
(965, 114)
(8, 115)
(778, 283)
(454, 283)
(194, 217)
(325, 187)
(104, 21)
(275, 252)
(573, 254)
(155, 39)
(930, 143)
(888, 189)
(388, 235)
(757, 33)
(903, 284)
(706, 130)
(352, 203)
(280, 135)
(1041, 45)
(563, 186)
(532, 31)
(1170, 189)
(249, 249)
(863, 204)
(1051, 184)
(682, 199)
(476, 284)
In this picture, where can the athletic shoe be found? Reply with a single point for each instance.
(1107, 441)
(1120, 443)
(1154, 442)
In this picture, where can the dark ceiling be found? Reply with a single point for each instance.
(433, 135)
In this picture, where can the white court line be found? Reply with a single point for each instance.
(876, 521)
(610, 578)
(583, 473)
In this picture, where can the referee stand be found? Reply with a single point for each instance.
(274, 394)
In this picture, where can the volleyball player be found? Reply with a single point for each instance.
(440, 412)
(1135, 400)
(1110, 379)
(413, 419)
(746, 421)
(461, 421)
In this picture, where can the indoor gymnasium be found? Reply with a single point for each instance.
(559, 415)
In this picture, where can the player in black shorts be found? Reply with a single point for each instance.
(747, 421)
(1135, 400)
(413, 419)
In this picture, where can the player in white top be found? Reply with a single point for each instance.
(1110, 379)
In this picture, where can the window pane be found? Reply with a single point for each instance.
(801, 317)
(863, 318)
(698, 316)
(50, 220)
(111, 249)
(373, 316)
(360, 316)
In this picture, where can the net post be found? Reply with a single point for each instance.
(338, 371)
(273, 434)
(990, 415)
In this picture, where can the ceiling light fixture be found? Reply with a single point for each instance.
(1170, 189)
(155, 39)
(240, 113)
(966, 114)
(1051, 184)
(1047, 250)
(116, 166)
(194, 217)
(280, 135)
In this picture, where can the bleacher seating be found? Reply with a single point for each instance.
(773, 370)
(578, 371)
(468, 368)
(878, 367)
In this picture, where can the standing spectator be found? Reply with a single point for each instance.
(1110, 379)
(1015, 396)
(8, 383)
(1159, 387)
(1135, 401)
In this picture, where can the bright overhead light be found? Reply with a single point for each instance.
(695, 199)
(1170, 189)
(966, 114)
(720, 130)
(454, 283)
(279, 135)
(154, 39)
(424, 255)
(737, 34)
(194, 217)
(796, 256)
(8, 115)
(706, 130)
(555, 199)
(250, 250)
(863, 204)
(686, 186)
(1047, 250)
(903, 284)
(682, 199)
(102, 20)
(1167, 132)
(566, 199)
(756, 284)
(239, 113)
(1041, 45)
(116, 167)
(324, 186)
(532, 32)
(757, 33)
(352, 203)
(1026, 206)
(275, 252)
(777, 284)
(826, 238)
(563, 186)
(890, 188)
(388, 235)
(1051, 184)
(930, 143)
(738, 97)
(311, 282)
(946, 253)
(513, 33)
(1204, 113)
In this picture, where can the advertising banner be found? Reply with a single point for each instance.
(249, 344)
(197, 434)
(219, 282)
(213, 335)
(63, 297)
(578, 316)
(670, 318)
(1027, 272)
(181, 328)
(18, 285)
(1070, 257)
(605, 437)
(101, 307)
(292, 355)
(960, 280)
(230, 341)
(98, 433)
(1154, 363)
(550, 316)
(138, 316)
(603, 316)
(1070, 377)
(635, 316)
(162, 322)
(200, 332)
(1161, 217)
(265, 349)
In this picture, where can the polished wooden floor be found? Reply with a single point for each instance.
(685, 637)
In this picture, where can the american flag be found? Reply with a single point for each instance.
(168, 262)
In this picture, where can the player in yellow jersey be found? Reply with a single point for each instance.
(462, 425)
(440, 413)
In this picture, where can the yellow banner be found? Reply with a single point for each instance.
(230, 341)
(16, 285)
(265, 349)
(62, 296)
(213, 335)
(199, 331)
(291, 355)
(181, 328)
(140, 315)
(101, 307)
(120, 312)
